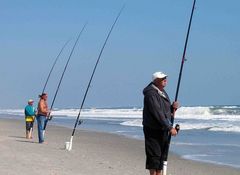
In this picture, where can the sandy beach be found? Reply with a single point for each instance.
(93, 153)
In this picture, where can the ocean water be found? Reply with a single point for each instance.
(208, 133)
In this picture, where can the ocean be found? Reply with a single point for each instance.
(208, 133)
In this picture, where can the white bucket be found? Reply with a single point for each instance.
(67, 145)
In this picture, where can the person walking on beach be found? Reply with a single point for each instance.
(42, 115)
(30, 113)
(157, 112)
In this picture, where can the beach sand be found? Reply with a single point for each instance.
(93, 153)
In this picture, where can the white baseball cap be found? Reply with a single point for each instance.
(30, 101)
(158, 75)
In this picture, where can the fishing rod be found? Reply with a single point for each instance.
(54, 63)
(69, 147)
(177, 90)
(49, 116)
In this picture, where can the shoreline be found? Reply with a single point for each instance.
(102, 152)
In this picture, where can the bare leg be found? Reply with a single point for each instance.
(28, 134)
(159, 172)
(152, 172)
(155, 172)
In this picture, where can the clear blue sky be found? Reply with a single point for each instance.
(148, 37)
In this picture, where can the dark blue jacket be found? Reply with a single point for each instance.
(157, 109)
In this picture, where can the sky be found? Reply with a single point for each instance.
(148, 37)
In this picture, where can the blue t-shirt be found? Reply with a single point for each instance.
(29, 110)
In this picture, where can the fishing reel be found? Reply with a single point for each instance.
(177, 127)
(50, 117)
(80, 122)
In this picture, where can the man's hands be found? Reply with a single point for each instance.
(173, 132)
(175, 105)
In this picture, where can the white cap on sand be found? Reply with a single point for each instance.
(158, 75)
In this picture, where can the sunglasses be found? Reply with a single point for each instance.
(163, 78)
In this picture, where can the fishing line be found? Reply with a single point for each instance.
(69, 147)
(65, 68)
(166, 150)
(54, 63)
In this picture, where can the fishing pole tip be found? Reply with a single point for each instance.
(123, 7)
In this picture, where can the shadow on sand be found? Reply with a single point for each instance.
(26, 141)
(19, 137)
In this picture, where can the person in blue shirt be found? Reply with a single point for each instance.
(30, 113)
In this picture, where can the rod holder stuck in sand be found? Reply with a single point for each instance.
(68, 145)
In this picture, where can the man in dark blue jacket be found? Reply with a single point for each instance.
(157, 113)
